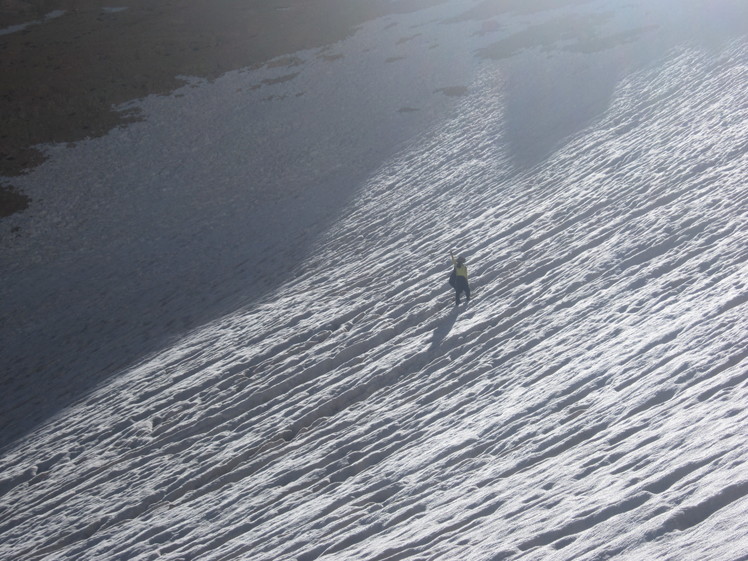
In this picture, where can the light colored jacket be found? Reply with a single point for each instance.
(461, 270)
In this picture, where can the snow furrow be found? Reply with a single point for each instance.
(588, 402)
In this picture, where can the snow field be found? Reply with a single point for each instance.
(588, 404)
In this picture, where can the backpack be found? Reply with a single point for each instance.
(453, 278)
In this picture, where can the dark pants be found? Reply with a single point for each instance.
(461, 285)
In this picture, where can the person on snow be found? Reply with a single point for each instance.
(459, 278)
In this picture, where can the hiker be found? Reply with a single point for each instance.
(459, 278)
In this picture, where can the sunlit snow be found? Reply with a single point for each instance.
(589, 403)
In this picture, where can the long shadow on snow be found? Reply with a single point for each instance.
(443, 328)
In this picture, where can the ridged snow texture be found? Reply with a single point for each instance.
(590, 403)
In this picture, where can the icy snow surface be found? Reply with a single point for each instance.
(588, 404)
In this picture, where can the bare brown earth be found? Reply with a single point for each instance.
(62, 77)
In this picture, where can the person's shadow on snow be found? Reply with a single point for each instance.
(443, 328)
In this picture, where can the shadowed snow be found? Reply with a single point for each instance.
(589, 403)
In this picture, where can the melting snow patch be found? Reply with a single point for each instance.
(21, 26)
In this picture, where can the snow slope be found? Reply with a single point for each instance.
(588, 404)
